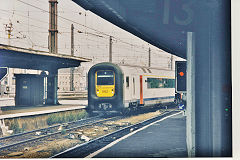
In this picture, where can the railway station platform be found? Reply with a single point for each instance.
(165, 138)
(11, 111)
(16, 119)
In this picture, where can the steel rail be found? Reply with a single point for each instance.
(47, 128)
(83, 150)
(54, 133)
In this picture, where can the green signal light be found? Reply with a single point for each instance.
(226, 109)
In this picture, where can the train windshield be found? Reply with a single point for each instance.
(105, 78)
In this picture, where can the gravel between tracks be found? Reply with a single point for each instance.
(52, 146)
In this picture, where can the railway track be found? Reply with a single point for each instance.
(85, 149)
(19, 139)
(32, 145)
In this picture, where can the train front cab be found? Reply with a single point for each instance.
(105, 88)
(105, 83)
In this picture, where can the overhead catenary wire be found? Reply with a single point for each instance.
(60, 27)
(44, 28)
(100, 32)
(64, 18)
(99, 43)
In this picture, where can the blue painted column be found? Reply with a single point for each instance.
(213, 80)
(52, 87)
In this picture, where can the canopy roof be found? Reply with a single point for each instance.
(17, 57)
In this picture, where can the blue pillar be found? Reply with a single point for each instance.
(52, 87)
(213, 80)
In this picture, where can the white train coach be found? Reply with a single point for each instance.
(117, 87)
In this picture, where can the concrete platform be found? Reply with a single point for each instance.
(20, 111)
(166, 138)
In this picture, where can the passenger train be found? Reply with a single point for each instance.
(119, 87)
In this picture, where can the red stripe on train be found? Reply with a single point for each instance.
(141, 89)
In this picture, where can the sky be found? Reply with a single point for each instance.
(91, 34)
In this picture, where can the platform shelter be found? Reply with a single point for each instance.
(17, 57)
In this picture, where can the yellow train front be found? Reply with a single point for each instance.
(105, 91)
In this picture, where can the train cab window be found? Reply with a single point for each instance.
(127, 82)
(105, 78)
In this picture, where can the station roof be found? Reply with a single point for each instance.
(17, 57)
(150, 20)
(162, 23)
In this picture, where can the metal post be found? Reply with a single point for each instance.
(110, 49)
(53, 26)
(9, 29)
(190, 94)
(235, 5)
(72, 54)
(45, 90)
(149, 57)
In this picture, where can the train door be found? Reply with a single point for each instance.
(134, 89)
(127, 93)
(23, 91)
(29, 89)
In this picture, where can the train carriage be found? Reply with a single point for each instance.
(117, 87)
